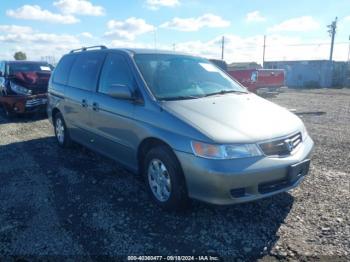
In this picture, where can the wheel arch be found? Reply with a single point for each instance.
(180, 197)
(146, 145)
(54, 112)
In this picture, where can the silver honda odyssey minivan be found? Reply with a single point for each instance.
(191, 130)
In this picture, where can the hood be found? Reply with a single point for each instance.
(32, 80)
(235, 118)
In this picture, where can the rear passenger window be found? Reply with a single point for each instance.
(115, 72)
(85, 71)
(61, 72)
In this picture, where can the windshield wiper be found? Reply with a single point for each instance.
(179, 98)
(223, 92)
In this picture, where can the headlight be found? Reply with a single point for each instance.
(20, 89)
(225, 151)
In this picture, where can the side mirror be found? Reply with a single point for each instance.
(120, 91)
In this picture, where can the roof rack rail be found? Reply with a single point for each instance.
(88, 47)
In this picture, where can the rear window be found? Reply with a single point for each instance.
(20, 67)
(62, 70)
(85, 71)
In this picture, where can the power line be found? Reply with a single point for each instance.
(310, 44)
(251, 47)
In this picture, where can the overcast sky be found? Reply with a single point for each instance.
(295, 30)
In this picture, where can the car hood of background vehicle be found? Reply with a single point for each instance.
(32, 80)
(235, 118)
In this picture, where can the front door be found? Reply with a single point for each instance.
(112, 118)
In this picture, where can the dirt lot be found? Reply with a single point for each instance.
(77, 203)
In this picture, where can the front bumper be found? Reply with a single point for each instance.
(241, 180)
(24, 104)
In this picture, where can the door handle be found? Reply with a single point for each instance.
(84, 103)
(95, 106)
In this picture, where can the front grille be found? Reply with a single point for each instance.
(269, 187)
(36, 102)
(281, 147)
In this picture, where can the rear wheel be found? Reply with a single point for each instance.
(61, 131)
(164, 179)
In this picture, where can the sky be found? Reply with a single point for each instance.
(295, 30)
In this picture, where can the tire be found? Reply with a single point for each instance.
(174, 196)
(61, 131)
(7, 113)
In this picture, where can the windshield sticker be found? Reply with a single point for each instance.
(209, 67)
(45, 68)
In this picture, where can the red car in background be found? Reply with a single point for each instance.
(255, 79)
(23, 86)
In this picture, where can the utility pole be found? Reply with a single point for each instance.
(155, 39)
(332, 31)
(349, 51)
(222, 47)
(263, 63)
(348, 68)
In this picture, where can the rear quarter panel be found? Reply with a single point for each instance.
(55, 97)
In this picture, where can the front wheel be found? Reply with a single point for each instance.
(165, 179)
(61, 131)
(7, 112)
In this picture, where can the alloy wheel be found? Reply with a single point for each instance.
(59, 127)
(159, 180)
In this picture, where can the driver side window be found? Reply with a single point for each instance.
(115, 72)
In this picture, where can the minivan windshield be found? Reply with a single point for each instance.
(177, 77)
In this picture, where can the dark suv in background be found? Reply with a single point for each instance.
(23, 86)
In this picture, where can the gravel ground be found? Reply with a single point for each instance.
(77, 203)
